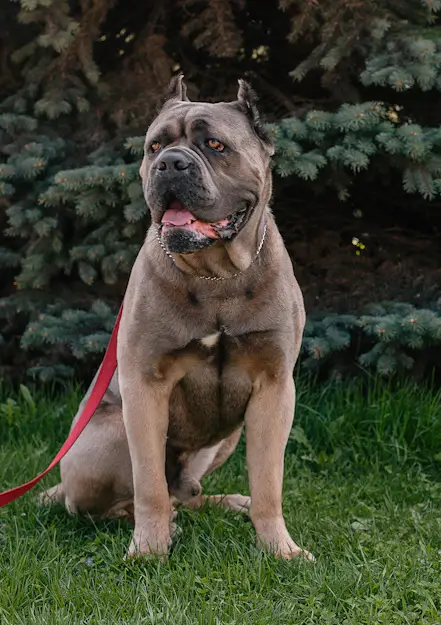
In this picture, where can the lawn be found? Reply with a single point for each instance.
(362, 492)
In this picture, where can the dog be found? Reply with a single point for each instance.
(209, 336)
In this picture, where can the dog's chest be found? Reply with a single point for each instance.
(210, 400)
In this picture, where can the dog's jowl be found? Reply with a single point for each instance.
(210, 333)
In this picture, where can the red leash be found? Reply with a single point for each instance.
(102, 382)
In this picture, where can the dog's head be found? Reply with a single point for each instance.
(205, 168)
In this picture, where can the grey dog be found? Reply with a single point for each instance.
(210, 333)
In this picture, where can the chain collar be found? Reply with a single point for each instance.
(216, 278)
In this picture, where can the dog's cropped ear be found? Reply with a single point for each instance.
(177, 89)
(247, 99)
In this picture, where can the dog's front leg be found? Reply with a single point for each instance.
(268, 421)
(146, 415)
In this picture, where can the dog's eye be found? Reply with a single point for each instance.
(215, 144)
(155, 146)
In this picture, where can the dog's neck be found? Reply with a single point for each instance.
(229, 258)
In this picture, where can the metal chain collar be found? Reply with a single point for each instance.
(216, 277)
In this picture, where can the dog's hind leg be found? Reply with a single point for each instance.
(208, 460)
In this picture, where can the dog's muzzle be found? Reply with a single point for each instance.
(183, 232)
(180, 200)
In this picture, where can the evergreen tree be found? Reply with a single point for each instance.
(388, 338)
(354, 138)
(342, 85)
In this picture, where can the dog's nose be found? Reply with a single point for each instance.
(173, 160)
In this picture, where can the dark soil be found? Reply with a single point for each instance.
(397, 263)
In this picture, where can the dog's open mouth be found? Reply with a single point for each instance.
(177, 216)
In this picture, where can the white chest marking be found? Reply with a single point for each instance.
(210, 340)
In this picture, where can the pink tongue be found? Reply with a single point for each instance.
(177, 216)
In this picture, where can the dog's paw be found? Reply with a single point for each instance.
(148, 543)
(51, 495)
(273, 536)
(154, 550)
(238, 503)
(288, 551)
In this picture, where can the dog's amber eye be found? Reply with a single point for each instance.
(155, 146)
(215, 144)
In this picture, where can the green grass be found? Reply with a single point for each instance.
(362, 492)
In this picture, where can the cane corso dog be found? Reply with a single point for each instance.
(210, 333)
